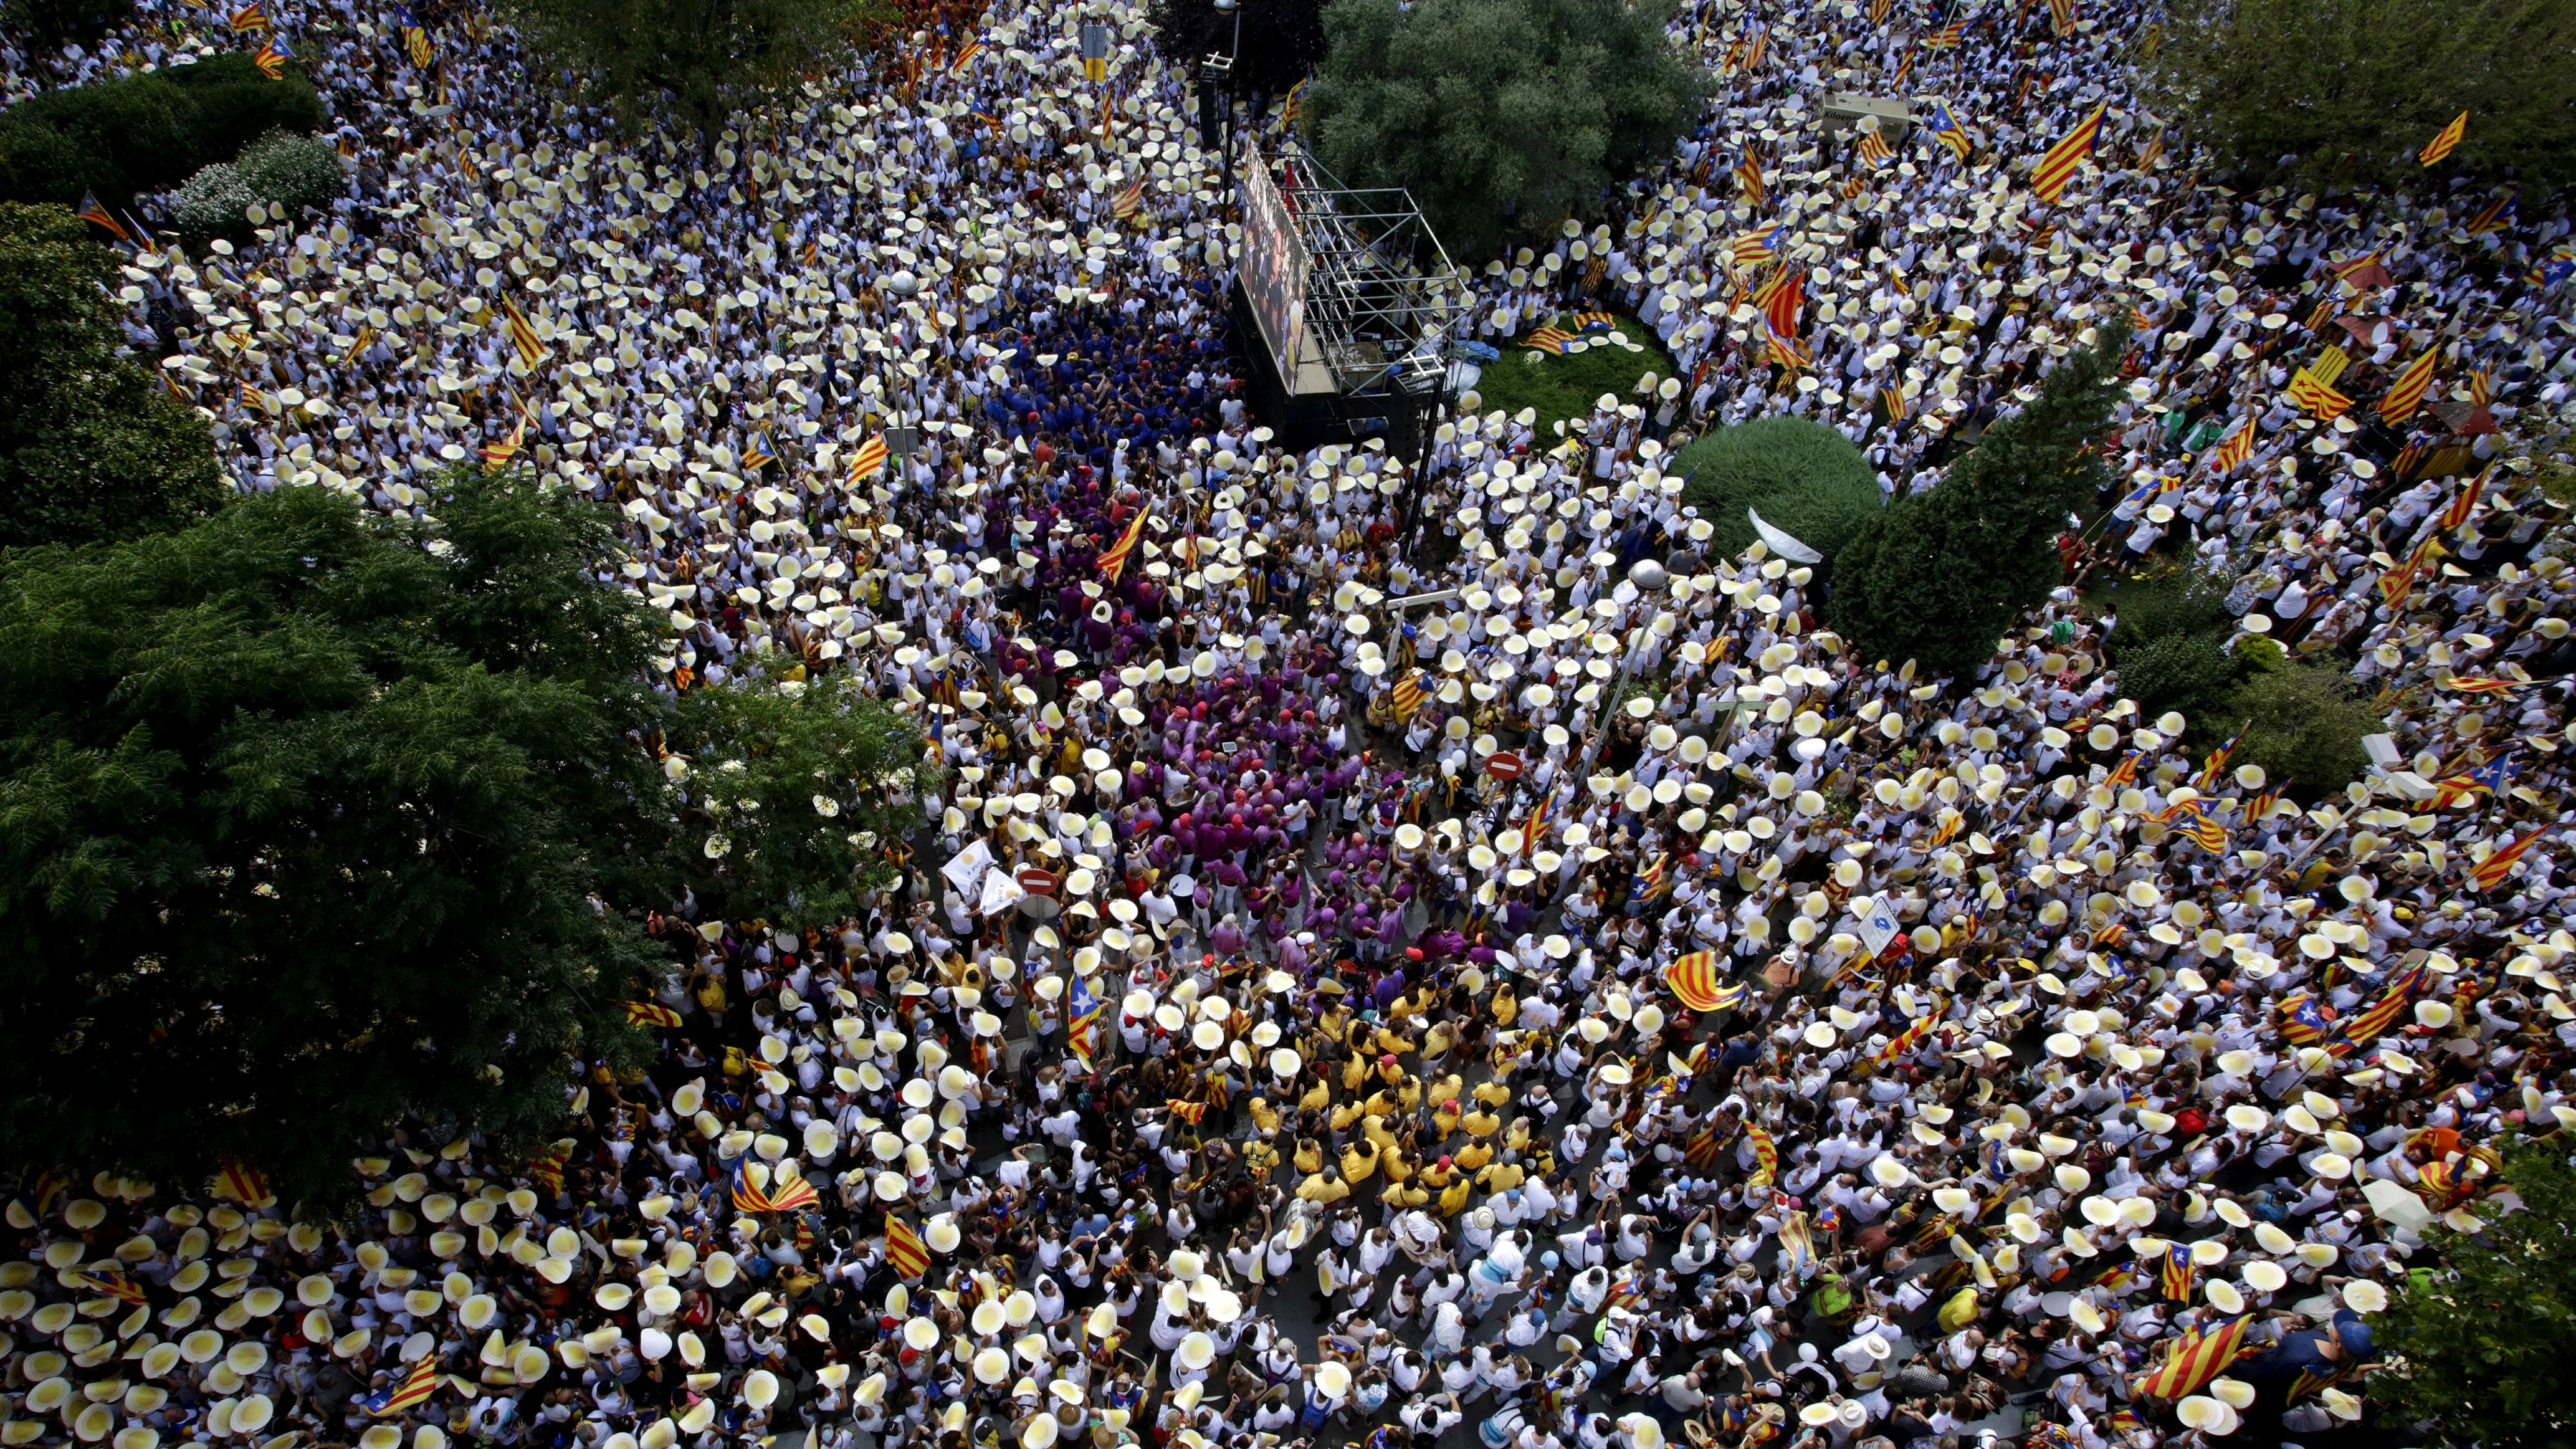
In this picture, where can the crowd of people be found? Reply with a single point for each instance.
(1495, 969)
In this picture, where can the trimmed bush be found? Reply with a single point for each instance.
(145, 133)
(1805, 479)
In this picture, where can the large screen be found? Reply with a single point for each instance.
(1274, 265)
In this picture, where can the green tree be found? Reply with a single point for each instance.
(1501, 117)
(310, 821)
(145, 132)
(2323, 92)
(2479, 1341)
(696, 61)
(1279, 40)
(1938, 576)
(90, 444)
(2170, 646)
(1804, 478)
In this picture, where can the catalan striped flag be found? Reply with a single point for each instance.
(1702, 1149)
(793, 1194)
(2196, 1357)
(2317, 395)
(1787, 352)
(1766, 1157)
(497, 456)
(1550, 340)
(2061, 14)
(1748, 180)
(2230, 455)
(966, 56)
(2057, 165)
(1781, 299)
(2465, 506)
(272, 57)
(1756, 247)
(2446, 142)
(811, 252)
(248, 18)
(95, 214)
(1293, 110)
(1114, 561)
(651, 1013)
(1945, 128)
(243, 1184)
(1902, 1044)
(1879, 9)
(2123, 774)
(1129, 200)
(365, 339)
(1892, 405)
(1757, 45)
(2489, 873)
(2406, 394)
(2398, 582)
(1535, 827)
(523, 334)
(1947, 37)
(408, 1392)
(1693, 979)
(870, 457)
(2179, 1272)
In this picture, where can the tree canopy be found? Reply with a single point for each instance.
(309, 821)
(2323, 92)
(2479, 1340)
(1502, 117)
(1939, 575)
(90, 444)
(694, 61)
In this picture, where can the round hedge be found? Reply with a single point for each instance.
(1806, 480)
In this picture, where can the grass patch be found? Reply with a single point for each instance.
(1564, 388)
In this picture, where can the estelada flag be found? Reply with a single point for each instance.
(1114, 562)
(2442, 145)
(1693, 978)
(748, 1196)
(650, 1013)
(2406, 394)
(2057, 165)
(2195, 1358)
(97, 215)
(904, 1251)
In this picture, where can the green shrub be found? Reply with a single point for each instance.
(2170, 647)
(145, 132)
(293, 170)
(2304, 724)
(214, 202)
(1804, 478)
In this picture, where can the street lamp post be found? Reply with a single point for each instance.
(1651, 581)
